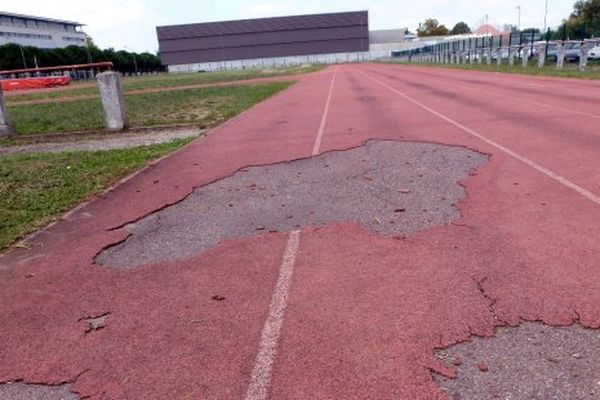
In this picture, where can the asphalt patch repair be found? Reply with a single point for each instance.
(25, 391)
(393, 188)
(530, 362)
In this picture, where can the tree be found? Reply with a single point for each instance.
(431, 27)
(584, 21)
(11, 57)
(460, 28)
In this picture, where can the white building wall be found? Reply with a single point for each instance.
(273, 62)
(43, 34)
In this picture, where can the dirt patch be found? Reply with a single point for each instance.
(24, 391)
(392, 188)
(530, 362)
(110, 142)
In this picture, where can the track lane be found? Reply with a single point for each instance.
(567, 145)
(367, 312)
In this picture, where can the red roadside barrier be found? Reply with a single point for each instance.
(34, 83)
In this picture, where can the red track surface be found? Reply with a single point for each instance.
(364, 312)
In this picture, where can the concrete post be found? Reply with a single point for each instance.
(541, 55)
(560, 58)
(111, 92)
(511, 56)
(6, 128)
(584, 56)
(525, 55)
(499, 56)
(489, 56)
(479, 56)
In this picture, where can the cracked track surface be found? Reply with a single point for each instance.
(532, 361)
(392, 188)
(365, 312)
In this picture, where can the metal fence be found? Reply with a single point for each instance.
(526, 49)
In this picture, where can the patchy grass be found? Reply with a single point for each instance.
(570, 70)
(205, 106)
(36, 188)
(162, 81)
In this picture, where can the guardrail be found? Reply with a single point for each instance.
(477, 50)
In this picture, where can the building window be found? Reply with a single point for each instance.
(73, 39)
(25, 35)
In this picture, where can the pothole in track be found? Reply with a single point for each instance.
(393, 188)
(24, 391)
(530, 362)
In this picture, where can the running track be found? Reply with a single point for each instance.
(337, 312)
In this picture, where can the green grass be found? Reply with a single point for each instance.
(164, 81)
(206, 107)
(570, 70)
(35, 188)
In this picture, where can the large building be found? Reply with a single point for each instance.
(40, 32)
(279, 41)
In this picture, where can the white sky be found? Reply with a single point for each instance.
(131, 23)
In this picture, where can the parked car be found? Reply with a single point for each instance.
(594, 53)
(572, 52)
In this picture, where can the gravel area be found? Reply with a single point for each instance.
(530, 362)
(392, 188)
(111, 142)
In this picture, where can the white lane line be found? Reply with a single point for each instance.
(261, 375)
(563, 181)
(517, 98)
(260, 380)
(317, 145)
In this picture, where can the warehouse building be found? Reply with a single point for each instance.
(265, 42)
(46, 33)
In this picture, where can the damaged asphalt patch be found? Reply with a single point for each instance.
(530, 362)
(24, 391)
(393, 188)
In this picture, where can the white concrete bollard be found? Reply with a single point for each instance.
(583, 58)
(6, 128)
(541, 55)
(560, 59)
(111, 92)
(525, 55)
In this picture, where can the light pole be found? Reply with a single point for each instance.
(519, 18)
(545, 18)
(23, 56)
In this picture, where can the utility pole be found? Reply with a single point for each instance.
(545, 17)
(23, 57)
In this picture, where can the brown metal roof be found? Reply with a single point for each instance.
(264, 37)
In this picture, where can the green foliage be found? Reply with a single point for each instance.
(35, 188)
(204, 106)
(431, 27)
(12, 58)
(584, 21)
(460, 28)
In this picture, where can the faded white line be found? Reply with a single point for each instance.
(563, 181)
(317, 145)
(516, 98)
(260, 380)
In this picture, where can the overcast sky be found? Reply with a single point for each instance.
(131, 23)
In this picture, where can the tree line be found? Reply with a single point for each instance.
(13, 56)
(583, 23)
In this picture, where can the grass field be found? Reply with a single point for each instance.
(570, 70)
(35, 188)
(206, 107)
(161, 81)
